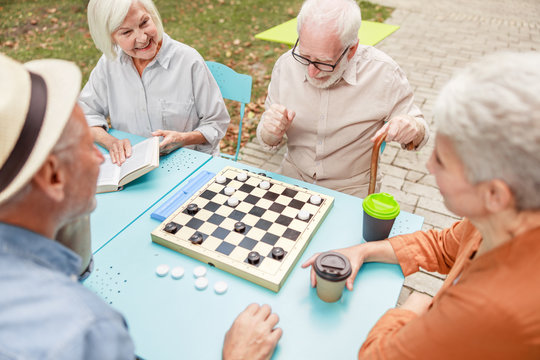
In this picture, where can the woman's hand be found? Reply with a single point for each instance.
(119, 149)
(172, 140)
(379, 251)
(355, 256)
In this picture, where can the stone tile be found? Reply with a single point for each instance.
(253, 153)
(423, 283)
(403, 295)
(435, 219)
(436, 206)
(395, 171)
(422, 190)
(414, 176)
(400, 196)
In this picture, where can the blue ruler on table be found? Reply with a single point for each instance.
(182, 195)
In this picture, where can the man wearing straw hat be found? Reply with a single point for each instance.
(48, 172)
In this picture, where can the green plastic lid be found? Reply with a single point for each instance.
(381, 206)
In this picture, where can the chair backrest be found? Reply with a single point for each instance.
(233, 86)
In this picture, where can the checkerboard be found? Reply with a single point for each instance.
(270, 222)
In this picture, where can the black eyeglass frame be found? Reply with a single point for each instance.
(300, 58)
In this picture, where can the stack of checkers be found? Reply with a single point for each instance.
(246, 223)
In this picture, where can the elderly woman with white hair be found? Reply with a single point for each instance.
(487, 165)
(148, 84)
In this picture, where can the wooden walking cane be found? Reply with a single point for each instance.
(375, 161)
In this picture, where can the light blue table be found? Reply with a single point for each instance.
(116, 210)
(170, 319)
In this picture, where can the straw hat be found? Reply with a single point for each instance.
(29, 129)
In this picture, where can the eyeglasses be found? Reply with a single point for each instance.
(319, 65)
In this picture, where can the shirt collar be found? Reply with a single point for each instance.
(34, 247)
(163, 57)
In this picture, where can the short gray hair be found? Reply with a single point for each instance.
(491, 113)
(343, 16)
(105, 16)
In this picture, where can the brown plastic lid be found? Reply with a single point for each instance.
(332, 266)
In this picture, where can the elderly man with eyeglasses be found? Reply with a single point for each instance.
(331, 95)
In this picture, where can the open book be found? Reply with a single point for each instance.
(144, 158)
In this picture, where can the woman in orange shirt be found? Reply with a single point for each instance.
(487, 165)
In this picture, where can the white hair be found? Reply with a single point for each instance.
(105, 16)
(342, 16)
(491, 113)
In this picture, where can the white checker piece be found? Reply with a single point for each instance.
(162, 270)
(201, 283)
(199, 271)
(177, 272)
(220, 287)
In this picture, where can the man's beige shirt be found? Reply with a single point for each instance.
(329, 139)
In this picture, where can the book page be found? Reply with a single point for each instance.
(109, 173)
(141, 156)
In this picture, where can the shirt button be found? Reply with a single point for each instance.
(320, 142)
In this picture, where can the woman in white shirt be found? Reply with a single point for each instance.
(148, 84)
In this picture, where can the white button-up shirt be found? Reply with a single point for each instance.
(175, 92)
(328, 141)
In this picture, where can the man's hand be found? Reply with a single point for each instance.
(171, 141)
(252, 335)
(276, 121)
(403, 129)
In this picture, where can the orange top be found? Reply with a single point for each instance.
(487, 308)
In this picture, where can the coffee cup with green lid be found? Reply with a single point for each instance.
(380, 212)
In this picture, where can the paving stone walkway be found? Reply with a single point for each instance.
(435, 39)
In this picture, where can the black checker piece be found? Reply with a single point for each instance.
(289, 193)
(246, 188)
(251, 199)
(237, 215)
(296, 204)
(172, 227)
(263, 224)
(291, 234)
(220, 233)
(272, 196)
(277, 207)
(248, 243)
(225, 248)
(216, 219)
(270, 239)
(254, 259)
(257, 211)
(284, 220)
(208, 194)
(211, 206)
(194, 223)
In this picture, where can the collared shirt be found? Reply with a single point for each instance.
(328, 141)
(44, 312)
(175, 92)
(487, 308)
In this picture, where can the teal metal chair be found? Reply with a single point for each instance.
(236, 87)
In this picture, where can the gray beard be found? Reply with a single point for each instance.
(335, 76)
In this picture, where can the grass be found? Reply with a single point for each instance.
(221, 30)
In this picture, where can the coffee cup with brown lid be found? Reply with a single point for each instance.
(332, 270)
